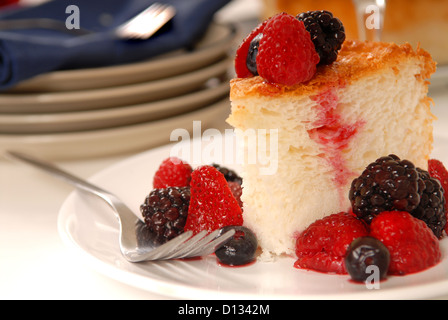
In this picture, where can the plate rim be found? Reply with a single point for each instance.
(37, 123)
(88, 99)
(45, 144)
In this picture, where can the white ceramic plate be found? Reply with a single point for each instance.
(90, 228)
(37, 123)
(112, 97)
(113, 141)
(212, 46)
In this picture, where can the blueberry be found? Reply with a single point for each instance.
(364, 252)
(251, 59)
(238, 250)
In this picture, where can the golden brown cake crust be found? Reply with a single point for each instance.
(356, 59)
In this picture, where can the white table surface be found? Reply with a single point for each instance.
(34, 263)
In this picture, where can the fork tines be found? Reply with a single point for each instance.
(147, 22)
(186, 245)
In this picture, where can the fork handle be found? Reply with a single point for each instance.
(61, 174)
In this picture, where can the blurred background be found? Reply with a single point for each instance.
(413, 21)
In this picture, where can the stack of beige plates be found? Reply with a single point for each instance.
(119, 109)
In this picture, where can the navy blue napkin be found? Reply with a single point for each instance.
(27, 53)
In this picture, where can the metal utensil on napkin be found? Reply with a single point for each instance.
(142, 26)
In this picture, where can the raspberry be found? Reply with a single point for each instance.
(165, 212)
(172, 172)
(386, 184)
(412, 245)
(437, 170)
(286, 54)
(212, 204)
(431, 208)
(241, 54)
(233, 180)
(327, 34)
(323, 245)
(237, 191)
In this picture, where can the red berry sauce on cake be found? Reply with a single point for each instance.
(334, 134)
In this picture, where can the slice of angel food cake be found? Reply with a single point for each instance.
(347, 180)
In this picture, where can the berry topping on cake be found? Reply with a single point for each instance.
(286, 54)
(327, 33)
(238, 250)
(412, 245)
(251, 59)
(212, 204)
(280, 50)
(172, 172)
(241, 69)
(285, 49)
(165, 212)
(390, 183)
(323, 245)
(365, 252)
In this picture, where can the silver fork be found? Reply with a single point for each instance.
(147, 22)
(136, 243)
(142, 26)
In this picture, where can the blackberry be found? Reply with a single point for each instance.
(390, 184)
(385, 185)
(165, 212)
(230, 175)
(327, 33)
(432, 204)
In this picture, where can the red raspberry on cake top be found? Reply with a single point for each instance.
(286, 55)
